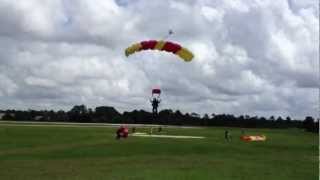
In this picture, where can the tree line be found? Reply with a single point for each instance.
(108, 114)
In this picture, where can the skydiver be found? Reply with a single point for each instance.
(133, 129)
(155, 103)
(227, 135)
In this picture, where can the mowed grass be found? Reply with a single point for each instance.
(93, 153)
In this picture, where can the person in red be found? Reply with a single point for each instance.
(122, 132)
(119, 132)
(125, 132)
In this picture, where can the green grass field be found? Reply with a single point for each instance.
(93, 153)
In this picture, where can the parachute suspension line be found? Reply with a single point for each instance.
(170, 32)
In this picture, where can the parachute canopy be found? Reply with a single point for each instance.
(168, 46)
(156, 91)
(253, 138)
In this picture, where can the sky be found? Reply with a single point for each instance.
(255, 57)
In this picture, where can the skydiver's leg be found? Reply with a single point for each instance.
(154, 110)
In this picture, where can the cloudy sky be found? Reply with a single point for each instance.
(256, 57)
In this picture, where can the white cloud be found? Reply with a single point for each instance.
(212, 14)
(7, 86)
(35, 81)
(251, 57)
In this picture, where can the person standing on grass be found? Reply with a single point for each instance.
(133, 129)
(227, 135)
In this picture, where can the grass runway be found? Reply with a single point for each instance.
(73, 153)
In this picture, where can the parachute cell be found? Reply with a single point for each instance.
(133, 48)
(185, 54)
(168, 46)
(156, 91)
(160, 45)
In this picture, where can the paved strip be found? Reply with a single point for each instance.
(167, 136)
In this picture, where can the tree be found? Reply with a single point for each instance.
(309, 124)
(205, 120)
(81, 109)
(8, 116)
(213, 115)
(106, 114)
(79, 113)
